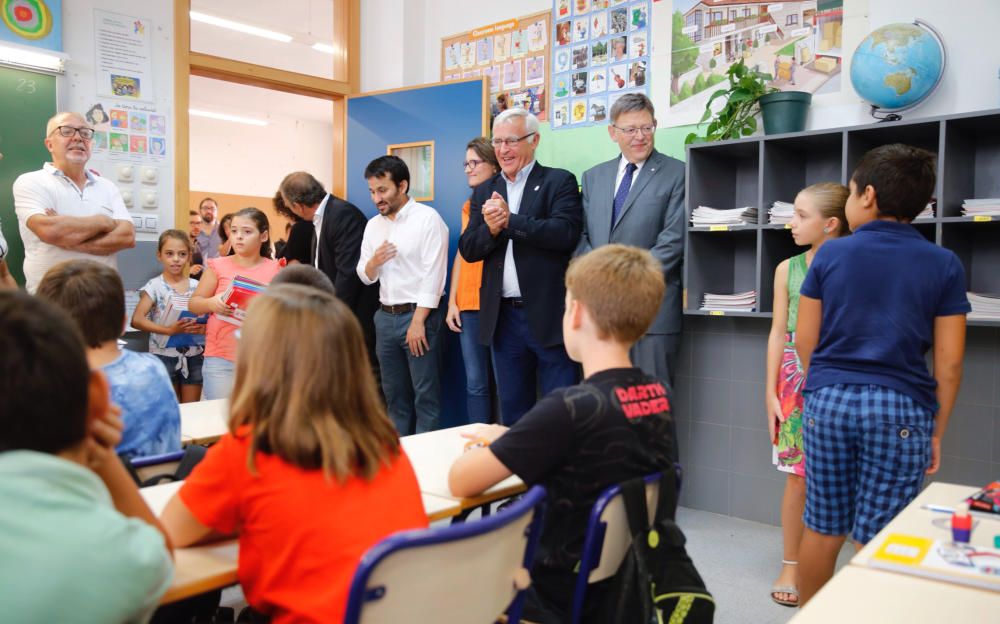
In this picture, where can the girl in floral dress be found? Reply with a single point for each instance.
(819, 216)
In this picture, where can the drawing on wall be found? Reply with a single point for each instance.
(800, 44)
(534, 70)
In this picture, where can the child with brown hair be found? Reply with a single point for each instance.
(311, 473)
(818, 217)
(614, 426)
(171, 289)
(249, 236)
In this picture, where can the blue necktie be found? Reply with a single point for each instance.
(622, 193)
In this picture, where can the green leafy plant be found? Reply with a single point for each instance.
(738, 116)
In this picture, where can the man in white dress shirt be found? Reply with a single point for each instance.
(405, 248)
(65, 211)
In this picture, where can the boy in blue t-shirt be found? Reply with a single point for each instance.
(871, 306)
(94, 297)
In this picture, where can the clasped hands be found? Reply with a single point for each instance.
(496, 213)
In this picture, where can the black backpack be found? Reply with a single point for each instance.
(657, 582)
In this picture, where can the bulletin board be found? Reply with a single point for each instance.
(513, 55)
(600, 51)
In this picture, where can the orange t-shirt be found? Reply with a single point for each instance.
(470, 275)
(220, 336)
(301, 535)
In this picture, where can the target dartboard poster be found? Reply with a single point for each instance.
(36, 23)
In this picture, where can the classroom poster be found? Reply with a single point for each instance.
(37, 23)
(599, 48)
(123, 49)
(513, 55)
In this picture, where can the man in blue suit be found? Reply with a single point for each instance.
(638, 199)
(524, 224)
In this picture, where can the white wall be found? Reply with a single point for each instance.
(391, 37)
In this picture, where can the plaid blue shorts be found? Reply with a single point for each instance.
(868, 447)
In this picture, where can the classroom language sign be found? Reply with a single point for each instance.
(600, 51)
(511, 54)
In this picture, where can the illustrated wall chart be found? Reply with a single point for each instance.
(512, 54)
(600, 51)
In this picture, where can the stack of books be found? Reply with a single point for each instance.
(780, 213)
(975, 207)
(704, 215)
(177, 309)
(928, 211)
(240, 293)
(985, 306)
(738, 302)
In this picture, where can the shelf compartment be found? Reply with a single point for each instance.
(791, 164)
(721, 263)
(970, 163)
(977, 246)
(925, 135)
(723, 176)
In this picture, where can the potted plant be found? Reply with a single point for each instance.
(747, 94)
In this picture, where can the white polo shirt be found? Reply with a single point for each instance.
(49, 187)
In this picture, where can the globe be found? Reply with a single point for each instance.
(898, 66)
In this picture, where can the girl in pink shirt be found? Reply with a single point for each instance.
(252, 259)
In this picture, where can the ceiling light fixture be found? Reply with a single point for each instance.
(324, 47)
(194, 112)
(32, 58)
(237, 26)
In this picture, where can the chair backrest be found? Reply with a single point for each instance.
(608, 538)
(465, 573)
(153, 469)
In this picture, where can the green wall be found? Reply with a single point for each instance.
(580, 149)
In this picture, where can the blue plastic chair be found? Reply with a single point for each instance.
(607, 538)
(466, 573)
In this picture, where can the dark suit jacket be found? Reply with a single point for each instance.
(545, 232)
(652, 218)
(339, 247)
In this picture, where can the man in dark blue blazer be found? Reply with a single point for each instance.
(524, 224)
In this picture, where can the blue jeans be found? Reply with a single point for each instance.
(412, 385)
(521, 363)
(218, 375)
(477, 369)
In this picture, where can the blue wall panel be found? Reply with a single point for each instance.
(450, 115)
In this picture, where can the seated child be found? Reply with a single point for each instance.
(79, 543)
(305, 274)
(870, 307)
(94, 297)
(311, 474)
(578, 441)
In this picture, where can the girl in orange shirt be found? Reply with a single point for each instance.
(311, 473)
(463, 296)
(249, 235)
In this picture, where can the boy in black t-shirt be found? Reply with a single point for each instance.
(579, 440)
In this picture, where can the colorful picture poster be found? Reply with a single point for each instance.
(560, 114)
(119, 118)
(118, 142)
(100, 140)
(562, 9)
(158, 125)
(158, 146)
(138, 122)
(33, 23)
(137, 144)
(801, 44)
(512, 55)
(601, 49)
(123, 50)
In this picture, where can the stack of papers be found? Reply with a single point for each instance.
(240, 293)
(928, 212)
(177, 308)
(781, 213)
(738, 302)
(985, 306)
(704, 215)
(989, 206)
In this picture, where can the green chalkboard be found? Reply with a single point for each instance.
(27, 101)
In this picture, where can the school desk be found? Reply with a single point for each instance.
(204, 422)
(432, 455)
(199, 569)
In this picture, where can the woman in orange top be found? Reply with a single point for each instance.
(463, 297)
(311, 473)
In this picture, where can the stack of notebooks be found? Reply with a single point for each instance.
(738, 302)
(177, 308)
(975, 207)
(704, 215)
(240, 293)
(781, 213)
(985, 306)
(928, 212)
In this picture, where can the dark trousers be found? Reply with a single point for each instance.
(521, 363)
(411, 384)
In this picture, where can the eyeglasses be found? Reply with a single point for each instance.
(472, 164)
(631, 132)
(509, 142)
(67, 131)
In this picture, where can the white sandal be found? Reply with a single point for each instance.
(786, 589)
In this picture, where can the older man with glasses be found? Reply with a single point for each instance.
(524, 224)
(638, 199)
(64, 210)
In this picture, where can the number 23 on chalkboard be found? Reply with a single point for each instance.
(25, 85)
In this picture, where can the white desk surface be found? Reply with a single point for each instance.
(204, 422)
(432, 455)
